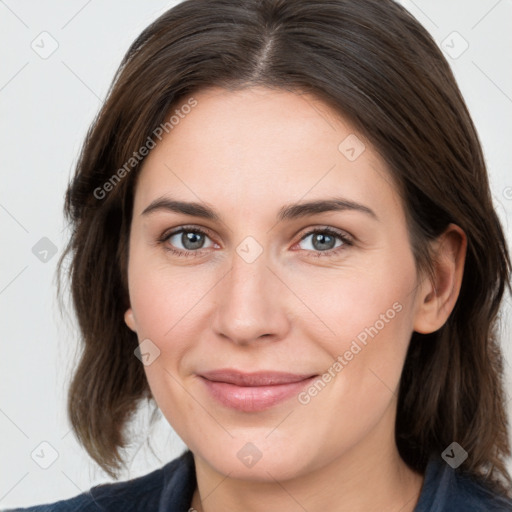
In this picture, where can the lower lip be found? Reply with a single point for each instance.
(254, 398)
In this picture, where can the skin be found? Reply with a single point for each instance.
(246, 154)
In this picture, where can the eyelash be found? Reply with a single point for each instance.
(347, 242)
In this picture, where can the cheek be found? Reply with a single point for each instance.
(364, 364)
(370, 320)
(363, 303)
(164, 298)
(169, 309)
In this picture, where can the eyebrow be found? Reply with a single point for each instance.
(287, 212)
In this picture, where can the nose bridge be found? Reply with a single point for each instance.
(250, 299)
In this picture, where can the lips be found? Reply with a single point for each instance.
(253, 392)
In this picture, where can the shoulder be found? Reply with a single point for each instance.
(171, 485)
(446, 489)
(81, 503)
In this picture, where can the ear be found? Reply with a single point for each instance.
(129, 319)
(437, 298)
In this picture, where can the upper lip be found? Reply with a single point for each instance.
(261, 378)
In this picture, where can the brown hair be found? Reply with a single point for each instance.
(373, 63)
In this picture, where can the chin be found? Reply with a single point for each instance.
(262, 461)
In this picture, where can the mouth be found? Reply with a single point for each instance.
(253, 392)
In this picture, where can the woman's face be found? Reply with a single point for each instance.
(272, 350)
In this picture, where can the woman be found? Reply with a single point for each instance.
(327, 343)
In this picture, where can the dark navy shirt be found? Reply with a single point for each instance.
(170, 489)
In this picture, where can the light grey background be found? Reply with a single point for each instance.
(46, 106)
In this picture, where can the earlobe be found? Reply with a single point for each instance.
(129, 319)
(437, 298)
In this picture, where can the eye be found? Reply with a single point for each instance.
(325, 241)
(190, 241)
(185, 241)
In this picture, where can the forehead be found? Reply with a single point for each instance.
(259, 146)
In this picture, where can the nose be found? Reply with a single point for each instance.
(251, 303)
